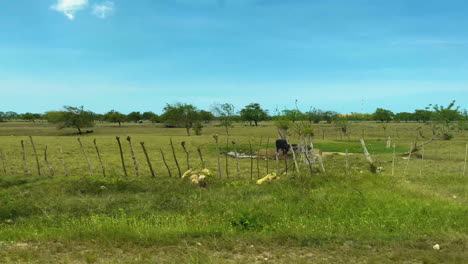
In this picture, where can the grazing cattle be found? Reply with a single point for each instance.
(283, 145)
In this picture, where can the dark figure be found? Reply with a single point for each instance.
(89, 131)
(283, 145)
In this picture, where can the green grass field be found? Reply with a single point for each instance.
(327, 217)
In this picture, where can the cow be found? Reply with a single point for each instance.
(283, 145)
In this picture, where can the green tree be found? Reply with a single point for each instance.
(73, 117)
(382, 115)
(150, 116)
(30, 117)
(314, 115)
(404, 116)
(253, 113)
(422, 115)
(225, 114)
(206, 116)
(115, 117)
(181, 115)
(293, 115)
(134, 117)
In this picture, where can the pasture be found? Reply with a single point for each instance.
(338, 215)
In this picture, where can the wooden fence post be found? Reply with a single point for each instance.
(201, 158)
(63, 161)
(148, 159)
(122, 156)
(175, 158)
(48, 163)
(373, 168)
(165, 163)
(86, 157)
(100, 159)
(347, 163)
(227, 156)
(35, 154)
(135, 163)
(215, 136)
(23, 154)
(187, 154)
(409, 159)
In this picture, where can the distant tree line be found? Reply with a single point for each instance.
(193, 119)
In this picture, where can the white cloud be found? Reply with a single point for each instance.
(70, 7)
(104, 9)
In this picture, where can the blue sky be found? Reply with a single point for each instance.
(141, 54)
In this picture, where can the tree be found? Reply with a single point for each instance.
(150, 116)
(445, 116)
(404, 116)
(115, 117)
(329, 116)
(74, 117)
(292, 115)
(422, 115)
(314, 115)
(10, 115)
(254, 113)
(30, 117)
(224, 113)
(206, 116)
(182, 115)
(382, 115)
(134, 117)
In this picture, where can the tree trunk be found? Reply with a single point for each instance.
(256, 122)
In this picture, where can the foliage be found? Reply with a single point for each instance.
(403, 116)
(134, 117)
(115, 117)
(73, 117)
(197, 128)
(206, 116)
(382, 115)
(182, 115)
(225, 114)
(253, 113)
(422, 115)
(150, 116)
(292, 114)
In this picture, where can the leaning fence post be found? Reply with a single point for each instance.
(294, 158)
(187, 154)
(86, 157)
(63, 161)
(409, 159)
(165, 163)
(227, 156)
(135, 163)
(320, 159)
(175, 158)
(23, 154)
(122, 156)
(373, 168)
(201, 157)
(48, 163)
(147, 159)
(35, 154)
(100, 159)
(215, 136)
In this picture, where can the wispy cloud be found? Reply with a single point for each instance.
(70, 7)
(104, 9)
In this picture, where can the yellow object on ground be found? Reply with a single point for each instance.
(269, 178)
